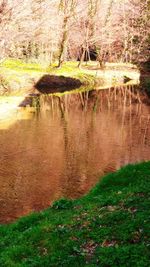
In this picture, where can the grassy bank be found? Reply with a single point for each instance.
(19, 77)
(108, 227)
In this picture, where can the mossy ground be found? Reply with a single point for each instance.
(108, 227)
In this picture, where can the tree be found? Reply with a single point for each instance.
(67, 8)
(89, 28)
(43, 30)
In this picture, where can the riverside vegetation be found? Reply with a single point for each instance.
(107, 227)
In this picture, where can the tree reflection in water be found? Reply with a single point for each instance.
(68, 143)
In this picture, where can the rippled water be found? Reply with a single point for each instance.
(63, 147)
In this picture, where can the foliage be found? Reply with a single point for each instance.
(146, 84)
(107, 227)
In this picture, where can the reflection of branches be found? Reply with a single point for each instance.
(119, 97)
(86, 134)
(61, 106)
(146, 129)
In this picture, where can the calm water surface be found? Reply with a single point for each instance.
(68, 143)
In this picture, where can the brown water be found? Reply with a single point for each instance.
(67, 144)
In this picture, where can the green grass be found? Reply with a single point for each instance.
(20, 65)
(71, 69)
(108, 227)
(68, 69)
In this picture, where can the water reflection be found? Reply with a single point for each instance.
(69, 143)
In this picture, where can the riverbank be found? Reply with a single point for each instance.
(107, 227)
(18, 78)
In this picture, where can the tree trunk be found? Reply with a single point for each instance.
(63, 44)
(82, 58)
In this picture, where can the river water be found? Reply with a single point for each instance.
(64, 145)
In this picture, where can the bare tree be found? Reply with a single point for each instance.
(46, 31)
(68, 10)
